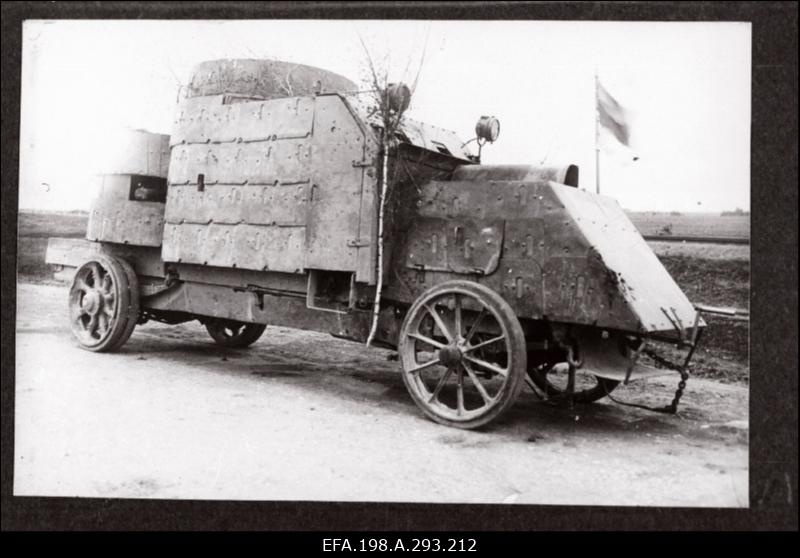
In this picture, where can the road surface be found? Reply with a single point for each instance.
(304, 416)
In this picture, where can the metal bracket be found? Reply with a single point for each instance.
(634, 360)
(361, 164)
(677, 326)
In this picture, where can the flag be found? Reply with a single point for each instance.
(612, 116)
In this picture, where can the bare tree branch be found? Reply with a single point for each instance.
(391, 119)
(421, 62)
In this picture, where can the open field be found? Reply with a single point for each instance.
(68, 224)
(73, 223)
(691, 224)
(34, 228)
(737, 252)
(712, 274)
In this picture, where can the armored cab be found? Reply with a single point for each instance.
(269, 213)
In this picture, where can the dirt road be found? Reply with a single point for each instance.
(304, 416)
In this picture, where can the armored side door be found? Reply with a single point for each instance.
(341, 226)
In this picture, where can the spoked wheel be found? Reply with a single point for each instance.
(104, 303)
(552, 377)
(235, 335)
(463, 354)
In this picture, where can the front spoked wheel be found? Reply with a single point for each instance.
(552, 379)
(463, 354)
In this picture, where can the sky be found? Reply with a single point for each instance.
(685, 86)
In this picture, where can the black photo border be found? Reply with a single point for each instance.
(774, 370)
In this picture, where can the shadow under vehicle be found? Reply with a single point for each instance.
(262, 208)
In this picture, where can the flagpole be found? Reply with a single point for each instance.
(596, 135)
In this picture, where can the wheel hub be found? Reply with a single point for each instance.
(91, 302)
(450, 355)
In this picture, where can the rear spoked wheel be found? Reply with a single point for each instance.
(463, 354)
(233, 334)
